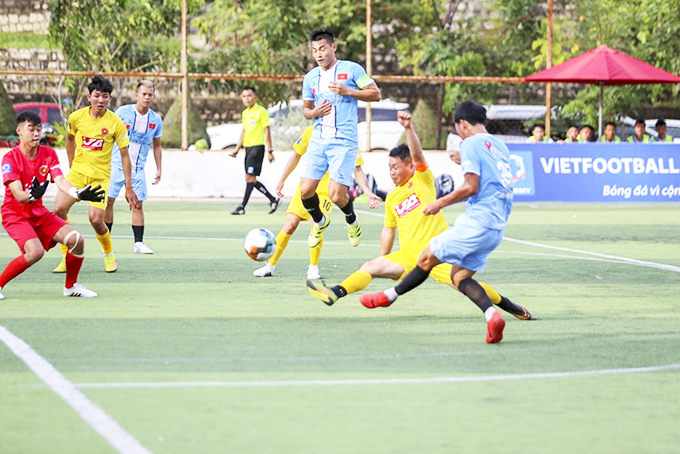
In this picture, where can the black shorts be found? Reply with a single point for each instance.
(254, 158)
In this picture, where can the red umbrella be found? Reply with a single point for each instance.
(604, 66)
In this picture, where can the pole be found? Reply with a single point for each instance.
(369, 67)
(599, 126)
(548, 64)
(185, 80)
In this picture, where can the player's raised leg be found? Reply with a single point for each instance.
(506, 304)
(311, 202)
(62, 204)
(33, 251)
(102, 233)
(74, 261)
(291, 224)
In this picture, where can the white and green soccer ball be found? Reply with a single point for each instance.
(260, 244)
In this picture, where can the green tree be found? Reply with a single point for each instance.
(7, 115)
(172, 125)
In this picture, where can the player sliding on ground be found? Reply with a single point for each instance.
(91, 134)
(296, 212)
(330, 93)
(25, 172)
(404, 210)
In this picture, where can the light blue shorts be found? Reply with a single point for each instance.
(118, 182)
(466, 244)
(337, 156)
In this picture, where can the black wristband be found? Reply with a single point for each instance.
(270, 151)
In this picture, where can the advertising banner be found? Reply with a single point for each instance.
(595, 172)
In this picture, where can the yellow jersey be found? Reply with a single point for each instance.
(254, 119)
(300, 147)
(404, 209)
(94, 141)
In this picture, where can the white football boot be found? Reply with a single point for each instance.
(79, 291)
(141, 248)
(266, 271)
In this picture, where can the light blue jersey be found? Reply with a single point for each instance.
(488, 157)
(142, 129)
(341, 122)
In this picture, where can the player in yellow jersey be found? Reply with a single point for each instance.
(404, 210)
(92, 131)
(296, 212)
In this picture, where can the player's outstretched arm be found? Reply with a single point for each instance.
(18, 192)
(290, 166)
(412, 140)
(387, 239)
(362, 181)
(469, 188)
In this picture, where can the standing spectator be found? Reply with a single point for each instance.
(610, 133)
(586, 134)
(661, 128)
(640, 135)
(538, 134)
(255, 133)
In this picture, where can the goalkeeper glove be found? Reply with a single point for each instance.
(88, 193)
(37, 189)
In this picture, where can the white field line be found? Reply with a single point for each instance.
(378, 381)
(97, 418)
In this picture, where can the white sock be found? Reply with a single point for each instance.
(323, 221)
(489, 313)
(270, 266)
(391, 294)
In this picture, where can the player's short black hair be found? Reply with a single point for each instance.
(573, 126)
(30, 117)
(587, 126)
(610, 123)
(100, 83)
(401, 151)
(471, 112)
(249, 87)
(322, 33)
(538, 125)
(640, 121)
(660, 123)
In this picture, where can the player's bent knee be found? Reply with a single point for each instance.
(34, 255)
(74, 242)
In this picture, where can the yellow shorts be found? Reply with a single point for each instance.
(440, 273)
(80, 181)
(298, 209)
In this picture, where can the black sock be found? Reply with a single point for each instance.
(339, 291)
(246, 196)
(412, 280)
(312, 206)
(109, 225)
(260, 187)
(471, 288)
(138, 231)
(350, 216)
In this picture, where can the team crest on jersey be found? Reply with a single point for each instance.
(313, 91)
(152, 126)
(407, 205)
(342, 76)
(7, 168)
(127, 126)
(105, 131)
(44, 169)
(93, 144)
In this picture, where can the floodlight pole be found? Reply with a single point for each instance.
(369, 67)
(548, 64)
(185, 80)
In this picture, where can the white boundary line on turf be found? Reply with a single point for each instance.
(93, 415)
(378, 381)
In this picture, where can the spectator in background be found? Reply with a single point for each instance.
(586, 134)
(640, 135)
(538, 134)
(610, 133)
(661, 128)
(572, 134)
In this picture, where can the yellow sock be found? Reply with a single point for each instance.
(315, 253)
(64, 248)
(281, 244)
(105, 241)
(491, 293)
(357, 281)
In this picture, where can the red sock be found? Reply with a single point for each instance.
(15, 268)
(73, 264)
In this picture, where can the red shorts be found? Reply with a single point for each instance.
(43, 227)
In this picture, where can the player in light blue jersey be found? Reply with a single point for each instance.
(330, 93)
(478, 231)
(145, 128)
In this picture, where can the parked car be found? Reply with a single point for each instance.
(287, 123)
(49, 115)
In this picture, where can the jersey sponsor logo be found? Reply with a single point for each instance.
(93, 143)
(407, 205)
(152, 126)
(105, 131)
(342, 76)
(7, 168)
(488, 145)
(297, 142)
(44, 169)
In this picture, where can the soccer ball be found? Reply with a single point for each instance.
(260, 244)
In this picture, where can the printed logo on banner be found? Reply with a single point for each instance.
(522, 169)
